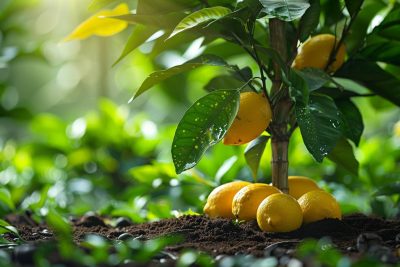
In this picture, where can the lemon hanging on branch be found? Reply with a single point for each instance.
(252, 119)
(319, 52)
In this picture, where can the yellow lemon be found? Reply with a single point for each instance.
(279, 213)
(316, 51)
(247, 200)
(299, 185)
(253, 118)
(219, 202)
(318, 205)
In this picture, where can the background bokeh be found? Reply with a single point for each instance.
(70, 141)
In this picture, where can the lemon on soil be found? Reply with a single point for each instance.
(316, 52)
(317, 205)
(299, 185)
(219, 202)
(247, 200)
(279, 213)
(252, 119)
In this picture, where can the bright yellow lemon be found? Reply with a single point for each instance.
(219, 202)
(247, 200)
(279, 213)
(318, 205)
(316, 52)
(299, 185)
(253, 118)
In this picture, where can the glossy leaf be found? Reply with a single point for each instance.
(254, 152)
(139, 35)
(203, 125)
(372, 77)
(298, 88)
(310, 20)
(315, 78)
(353, 6)
(286, 10)
(353, 125)
(343, 155)
(200, 17)
(320, 125)
(390, 26)
(159, 76)
(223, 82)
(383, 50)
(100, 25)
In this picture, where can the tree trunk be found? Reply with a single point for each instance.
(281, 110)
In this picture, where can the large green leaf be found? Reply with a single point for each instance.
(320, 125)
(343, 155)
(353, 125)
(390, 26)
(223, 82)
(254, 152)
(200, 17)
(353, 6)
(383, 50)
(203, 125)
(159, 76)
(315, 78)
(373, 77)
(286, 10)
(139, 35)
(310, 20)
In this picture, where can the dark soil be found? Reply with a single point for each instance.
(355, 235)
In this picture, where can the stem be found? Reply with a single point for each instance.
(281, 110)
(280, 164)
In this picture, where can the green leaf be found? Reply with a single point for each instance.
(353, 125)
(372, 77)
(254, 152)
(139, 35)
(343, 155)
(315, 78)
(388, 189)
(159, 76)
(353, 6)
(310, 20)
(223, 82)
(390, 26)
(383, 50)
(286, 10)
(200, 17)
(203, 125)
(5, 227)
(320, 125)
(5, 198)
(298, 87)
(58, 224)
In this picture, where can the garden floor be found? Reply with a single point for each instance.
(354, 235)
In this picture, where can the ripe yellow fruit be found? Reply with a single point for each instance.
(299, 185)
(279, 213)
(247, 200)
(318, 205)
(219, 202)
(316, 51)
(253, 118)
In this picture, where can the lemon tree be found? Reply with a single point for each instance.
(305, 56)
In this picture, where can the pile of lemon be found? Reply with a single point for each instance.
(273, 210)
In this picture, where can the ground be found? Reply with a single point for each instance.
(354, 236)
